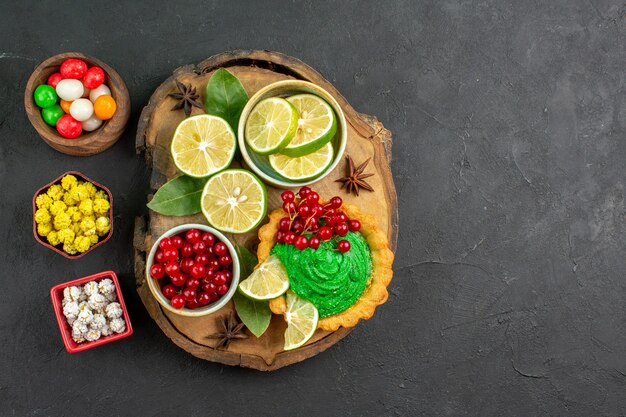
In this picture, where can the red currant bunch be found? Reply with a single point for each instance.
(193, 268)
(309, 221)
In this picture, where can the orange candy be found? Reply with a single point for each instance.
(104, 107)
(65, 105)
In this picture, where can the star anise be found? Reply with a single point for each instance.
(232, 330)
(355, 178)
(187, 98)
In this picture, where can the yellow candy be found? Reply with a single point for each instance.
(66, 235)
(44, 229)
(74, 213)
(69, 200)
(55, 192)
(69, 248)
(86, 207)
(101, 206)
(91, 189)
(68, 181)
(79, 192)
(62, 221)
(93, 239)
(101, 194)
(88, 226)
(103, 226)
(42, 216)
(43, 201)
(53, 238)
(76, 228)
(57, 208)
(82, 244)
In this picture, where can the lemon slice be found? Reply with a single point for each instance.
(271, 125)
(317, 125)
(304, 167)
(203, 145)
(268, 281)
(234, 201)
(301, 317)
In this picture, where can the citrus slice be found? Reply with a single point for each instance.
(203, 145)
(268, 281)
(234, 201)
(301, 317)
(304, 167)
(271, 125)
(317, 125)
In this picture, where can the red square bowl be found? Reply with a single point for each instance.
(56, 293)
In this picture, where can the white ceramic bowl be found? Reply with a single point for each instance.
(260, 164)
(201, 311)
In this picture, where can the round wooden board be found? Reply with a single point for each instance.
(367, 138)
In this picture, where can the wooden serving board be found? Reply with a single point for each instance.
(367, 138)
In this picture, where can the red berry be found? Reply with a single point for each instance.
(220, 249)
(177, 301)
(304, 210)
(209, 287)
(172, 268)
(317, 210)
(287, 196)
(312, 198)
(332, 220)
(170, 254)
(165, 243)
(201, 259)
(343, 246)
(209, 274)
(290, 237)
(220, 278)
(342, 218)
(186, 264)
(186, 250)
(208, 238)
(209, 252)
(335, 202)
(229, 276)
(311, 223)
(192, 283)
(342, 229)
(54, 79)
(192, 235)
(304, 191)
(314, 242)
(354, 225)
(289, 207)
(178, 279)
(325, 233)
(157, 271)
(177, 242)
(189, 294)
(159, 256)
(225, 260)
(204, 298)
(301, 242)
(297, 226)
(94, 77)
(284, 224)
(222, 289)
(280, 236)
(68, 127)
(169, 291)
(213, 265)
(73, 68)
(199, 247)
(197, 271)
(215, 296)
(192, 304)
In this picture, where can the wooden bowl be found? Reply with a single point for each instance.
(59, 248)
(88, 143)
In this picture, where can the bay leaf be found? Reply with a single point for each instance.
(225, 97)
(178, 197)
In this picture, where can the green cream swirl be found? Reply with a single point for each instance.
(331, 280)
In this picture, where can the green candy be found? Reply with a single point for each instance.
(45, 96)
(51, 114)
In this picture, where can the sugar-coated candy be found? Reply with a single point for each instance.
(71, 310)
(117, 325)
(52, 114)
(114, 310)
(45, 96)
(68, 127)
(104, 107)
(97, 301)
(97, 92)
(72, 293)
(92, 123)
(85, 316)
(111, 297)
(106, 330)
(92, 334)
(54, 79)
(81, 109)
(73, 68)
(94, 77)
(77, 336)
(98, 322)
(69, 89)
(106, 286)
(65, 105)
(79, 327)
(90, 288)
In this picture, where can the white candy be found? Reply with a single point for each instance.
(93, 334)
(98, 321)
(91, 288)
(81, 109)
(84, 317)
(97, 301)
(103, 90)
(114, 311)
(71, 293)
(92, 123)
(78, 327)
(70, 89)
(71, 310)
(117, 325)
(111, 297)
(83, 305)
(106, 286)
(78, 337)
(106, 330)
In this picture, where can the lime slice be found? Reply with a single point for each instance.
(271, 125)
(268, 281)
(234, 201)
(203, 145)
(317, 125)
(304, 167)
(301, 317)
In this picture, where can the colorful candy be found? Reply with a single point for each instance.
(45, 96)
(65, 105)
(73, 68)
(99, 91)
(54, 79)
(52, 114)
(94, 77)
(104, 107)
(70, 89)
(92, 124)
(68, 127)
(81, 109)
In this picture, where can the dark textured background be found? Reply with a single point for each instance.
(509, 158)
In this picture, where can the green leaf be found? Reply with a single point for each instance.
(225, 97)
(256, 315)
(178, 197)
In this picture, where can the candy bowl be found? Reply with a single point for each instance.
(103, 221)
(97, 134)
(119, 313)
(192, 270)
(260, 164)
